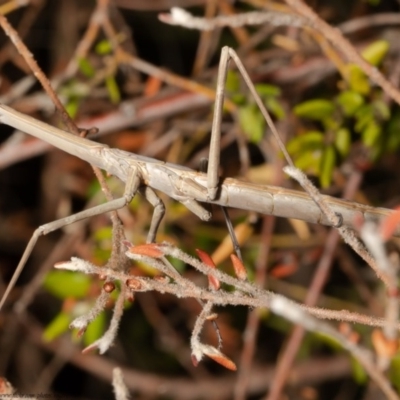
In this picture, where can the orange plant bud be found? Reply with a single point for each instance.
(81, 332)
(133, 284)
(213, 282)
(206, 259)
(222, 359)
(7, 388)
(109, 287)
(284, 270)
(212, 317)
(389, 224)
(68, 305)
(152, 86)
(383, 347)
(240, 270)
(346, 330)
(354, 337)
(195, 361)
(149, 250)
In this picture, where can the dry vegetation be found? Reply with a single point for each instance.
(140, 77)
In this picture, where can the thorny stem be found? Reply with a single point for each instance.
(254, 298)
(247, 294)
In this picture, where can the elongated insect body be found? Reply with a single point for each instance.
(191, 188)
(183, 184)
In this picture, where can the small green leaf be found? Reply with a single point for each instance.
(104, 233)
(239, 99)
(63, 284)
(86, 67)
(232, 83)
(265, 90)
(371, 133)
(328, 162)
(363, 116)
(357, 80)
(317, 109)
(393, 129)
(252, 122)
(95, 329)
(113, 89)
(350, 102)
(376, 52)
(72, 107)
(311, 140)
(359, 373)
(74, 89)
(381, 110)
(394, 371)
(275, 107)
(103, 237)
(343, 141)
(309, 161)
(103, 47)
(58, 326)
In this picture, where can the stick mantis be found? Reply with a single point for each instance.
(147, 175)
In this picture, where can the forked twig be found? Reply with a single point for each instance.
(245, 294)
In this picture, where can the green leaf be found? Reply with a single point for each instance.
(239, 99)
(371, 133)
(86, 67)
(58, 326)
(103, 234)
(232, 83)
(72, 107)
(252, 122)
(343, 141)
(265, 90)
(376, 52)
(309, 161)
(275, 107)
(311, 140)
(63, 284)
(381, 110)
(328, 162)
(103, 237)
(317, 109)
(103, 47)
(113, 89)
(359, 373)
(350, 102)
(75, 89)
(363, 116)
(95, 329)
(394, 371)
(357, 80)
(393, 129)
